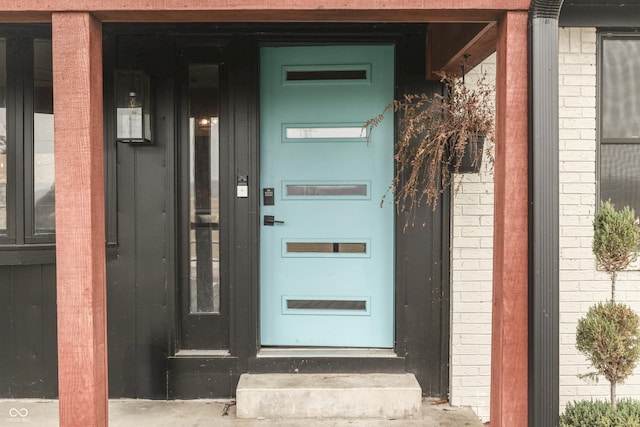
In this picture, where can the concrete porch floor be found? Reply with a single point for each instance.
(200, 413)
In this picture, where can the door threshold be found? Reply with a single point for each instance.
(202, 353)
(326, 352)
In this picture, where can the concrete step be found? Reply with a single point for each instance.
(328, 396)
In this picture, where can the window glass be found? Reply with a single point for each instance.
(3, 137)
(620, 121)
(204, 211)
(43, 165)
(621, 88)
(620, 175)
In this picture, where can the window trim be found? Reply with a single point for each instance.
(20, 108)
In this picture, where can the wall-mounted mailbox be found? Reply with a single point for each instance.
(133, 107)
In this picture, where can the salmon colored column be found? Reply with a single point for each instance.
(509, 359)
(80, 229)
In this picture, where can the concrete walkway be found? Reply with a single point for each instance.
(200, 413)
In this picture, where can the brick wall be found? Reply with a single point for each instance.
(471, 280)
(581, 284)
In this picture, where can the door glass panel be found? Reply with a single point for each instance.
(326, 189)
(310, 304)
(320, 247)
(3, 137)
(43, 166)
(344, 132)
(333, 74)
(204, 206)
(327, 75)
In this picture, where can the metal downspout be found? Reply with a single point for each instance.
(544, 387)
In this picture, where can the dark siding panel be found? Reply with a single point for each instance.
(28, 355)
(27, 338)
(202, 377)
(121, 314)
(151, 243)
(423, 321)
(422, 261)
(121, 267)
(243, 224)
(137, 320)
(137, 281)
(50, 332)
(6, 331)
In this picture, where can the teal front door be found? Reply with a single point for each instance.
(326, 243)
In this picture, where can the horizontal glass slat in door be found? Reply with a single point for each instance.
(326, 190)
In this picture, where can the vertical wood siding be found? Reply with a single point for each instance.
(28, 353)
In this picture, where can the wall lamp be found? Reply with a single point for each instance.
(133, 107)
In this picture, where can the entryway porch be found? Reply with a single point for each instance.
(200, 413)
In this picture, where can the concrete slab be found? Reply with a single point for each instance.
(282, 396)
(205, 413)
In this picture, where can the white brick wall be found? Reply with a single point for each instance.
(581, 284)
(579, 287)
(471, 282)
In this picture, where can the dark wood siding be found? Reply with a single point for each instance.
(28, 354)
(138, 282)
(422, 260)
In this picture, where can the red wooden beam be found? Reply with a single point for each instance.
(102, 5)
(80, 223)
(509, 359)
(265, 10)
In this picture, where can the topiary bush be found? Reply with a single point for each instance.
(588, 413)
(609, 336)
(616, 236)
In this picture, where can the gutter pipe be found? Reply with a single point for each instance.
(543, 369)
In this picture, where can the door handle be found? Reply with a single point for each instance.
(271, 220)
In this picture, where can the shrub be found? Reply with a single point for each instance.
(615, 240)
(600, 414)
(609, 336)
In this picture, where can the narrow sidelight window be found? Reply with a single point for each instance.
(204, 202)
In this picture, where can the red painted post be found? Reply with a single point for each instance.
(80, 224)
(509, 358)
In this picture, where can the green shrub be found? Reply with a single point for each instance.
(609, 336)
(615, 240)
(587, 413)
